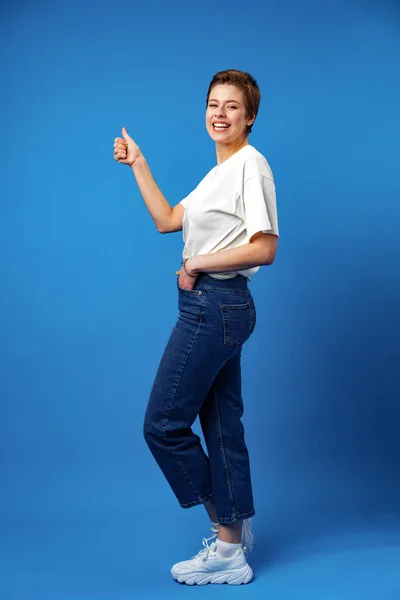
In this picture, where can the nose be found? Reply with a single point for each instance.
(220, 112)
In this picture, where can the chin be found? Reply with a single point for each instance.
(219, 139)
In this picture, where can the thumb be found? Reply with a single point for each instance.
(125, 134)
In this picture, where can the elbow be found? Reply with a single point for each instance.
(268, 261)
(269, 255)
(265, 247)
(165, 227)
(269, 258)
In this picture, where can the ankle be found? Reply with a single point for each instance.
(230, 533)
(211, 510)
(227, 549)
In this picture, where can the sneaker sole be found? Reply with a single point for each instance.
(234, 577)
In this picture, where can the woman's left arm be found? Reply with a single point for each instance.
(261, 250)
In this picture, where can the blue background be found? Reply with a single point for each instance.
(88, 293)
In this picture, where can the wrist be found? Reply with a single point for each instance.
(192, 265)
(188, 268)
(139, 162)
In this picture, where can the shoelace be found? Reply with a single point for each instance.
(203, 554)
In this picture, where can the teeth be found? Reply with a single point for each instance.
(221, 126)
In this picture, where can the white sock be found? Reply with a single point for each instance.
(214, 526)
(225, 549)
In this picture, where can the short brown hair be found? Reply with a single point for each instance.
(245, 82)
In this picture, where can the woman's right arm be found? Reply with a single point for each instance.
(167, 219)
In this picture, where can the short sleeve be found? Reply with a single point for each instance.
(259, 200)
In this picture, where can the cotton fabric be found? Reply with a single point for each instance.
(235, 200)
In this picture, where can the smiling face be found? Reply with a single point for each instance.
(226, 115)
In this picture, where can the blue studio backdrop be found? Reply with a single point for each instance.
(88, 293)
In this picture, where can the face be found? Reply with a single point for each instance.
(226, 118)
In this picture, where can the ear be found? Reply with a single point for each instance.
(251, 120)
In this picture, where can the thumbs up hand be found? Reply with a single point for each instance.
(126, 151)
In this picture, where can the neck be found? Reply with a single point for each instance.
(224, 151)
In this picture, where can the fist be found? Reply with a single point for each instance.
(125, 149)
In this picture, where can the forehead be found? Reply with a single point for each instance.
(226, 91)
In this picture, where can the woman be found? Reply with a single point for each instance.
(230, 228)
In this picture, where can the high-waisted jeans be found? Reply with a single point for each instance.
(200, 375)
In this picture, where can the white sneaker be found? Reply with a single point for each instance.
(247, 535)
(208, 567)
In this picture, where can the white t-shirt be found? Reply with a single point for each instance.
(235, 200)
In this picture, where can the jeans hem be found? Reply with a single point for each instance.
(196, 502)
(241, 516)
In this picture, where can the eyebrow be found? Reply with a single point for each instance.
(214, 100)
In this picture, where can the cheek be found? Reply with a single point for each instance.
(237, 119)
(240, 122)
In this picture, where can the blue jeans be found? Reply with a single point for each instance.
(200, 375)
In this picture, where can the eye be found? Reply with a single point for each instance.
(232, 106)
(212, 105)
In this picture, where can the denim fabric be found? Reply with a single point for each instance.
(200, 375)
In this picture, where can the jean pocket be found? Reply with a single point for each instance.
(186, 291)
(238, 322)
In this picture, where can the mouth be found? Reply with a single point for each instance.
(220, 127)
